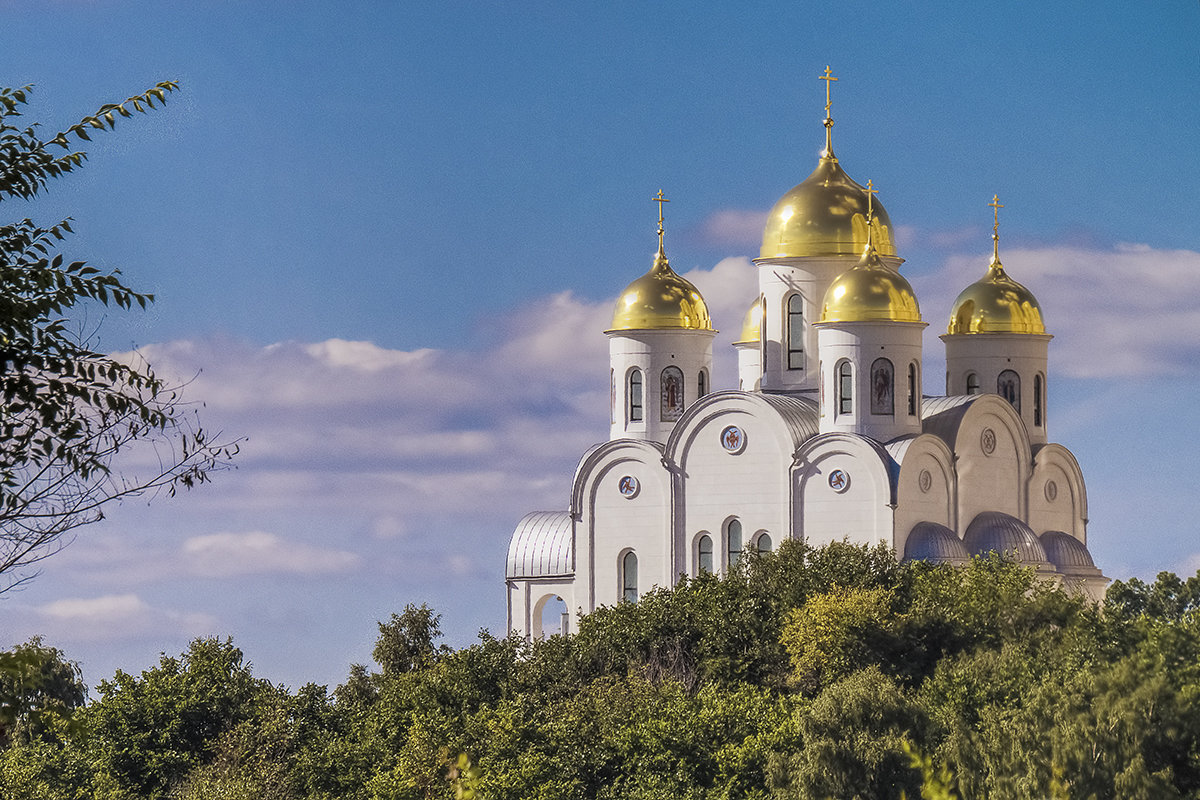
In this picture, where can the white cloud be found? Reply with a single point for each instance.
(735, 227)
(1127, 311)
(111, 616)
(223, 555)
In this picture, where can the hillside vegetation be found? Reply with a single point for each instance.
(830, 673)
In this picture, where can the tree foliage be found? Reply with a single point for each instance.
(805, 674)
(69, 415)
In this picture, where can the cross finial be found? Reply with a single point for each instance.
(996, 205)
(871, 192)
(658, 198)
(829, 79)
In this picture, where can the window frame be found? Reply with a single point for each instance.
(843, 373)
(794, 312)
(636, 405)
(628, 559)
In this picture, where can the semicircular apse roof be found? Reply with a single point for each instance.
(541, 546)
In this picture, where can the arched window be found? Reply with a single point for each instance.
(913, 388)
(1008, 386)
(704, 554)
(763, 543)
(733, 543)
(795, 332)
(635, 396)
(883, 387)
(701, 384)
(845, 388)
(671, 392)
(1038, 408)
(612, 396)
(972, 383)
(629, 577)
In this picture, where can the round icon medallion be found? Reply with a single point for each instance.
(629, 486)
(925, 481)
(1051, 491)
(733, 439)
(987, 441)
(839, 480)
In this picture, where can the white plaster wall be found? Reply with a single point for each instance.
(716, 485)
(989, 354)
(524, 595)
(861, 514)
(749, 366)
(778, 278)
(927, 453)
(994, 482)
(616, 523)
(861, 343)
(1067, 510)
(652, 351)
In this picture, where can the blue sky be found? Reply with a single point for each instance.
(386, 238)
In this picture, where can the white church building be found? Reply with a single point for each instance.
(829, 436)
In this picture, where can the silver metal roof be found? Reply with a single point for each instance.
(931, 541)
(942, 416)
(1068, 555)
(541, 546)
(994, 531)
(799, 414)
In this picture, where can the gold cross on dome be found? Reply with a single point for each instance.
(871, 192)
(658, 198)
(828, 78)
(996, 205)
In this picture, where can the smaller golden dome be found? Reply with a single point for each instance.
(661, 299)
(996, 304)
(870, 292)
(752, 324)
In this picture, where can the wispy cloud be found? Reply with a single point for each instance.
(111, 616)
(224, 555)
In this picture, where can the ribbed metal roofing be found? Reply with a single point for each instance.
(931, 541)
(541, 546)
(994, 531)
(799, 414)
(1066, 553)
(941, 416)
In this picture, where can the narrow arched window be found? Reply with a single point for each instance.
(972, 383)
(671, 394)
(629, 577)
(763, 543)
(913, 385)
(795, 332)
(704, 554)
(883, 387)
(635, 396)
(701, 384)
(1008, 386)
(733, 543)
(845, 388)
(1038, 408)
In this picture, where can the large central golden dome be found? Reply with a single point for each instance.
(825, 215)
(661, 299)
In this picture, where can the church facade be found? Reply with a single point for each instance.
(829, 436)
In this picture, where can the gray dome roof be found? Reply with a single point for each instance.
(541, 546)
(1004, 534)
(929, 541)
(1066, 553)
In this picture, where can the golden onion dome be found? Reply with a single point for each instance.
(752, 324)
(996, 304)
(661, 299)
(870, 292)
(825, 215)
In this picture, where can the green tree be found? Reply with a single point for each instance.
(67, 412)
(36, 682)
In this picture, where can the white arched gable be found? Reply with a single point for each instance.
(1057, 493)
(993, 459)
(731, 455)
(845, 489)
(927, 487)
(621, 501)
